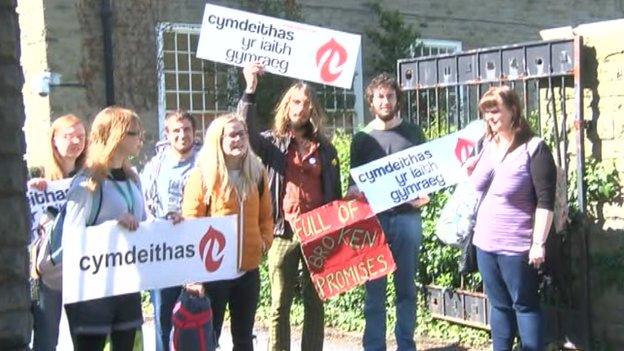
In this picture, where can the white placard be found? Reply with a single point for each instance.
(419, 170)
(107, 260)
(55, 195)
(286, 48)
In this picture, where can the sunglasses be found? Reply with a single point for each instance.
(135, 133)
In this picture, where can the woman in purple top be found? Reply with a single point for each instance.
(514, 219)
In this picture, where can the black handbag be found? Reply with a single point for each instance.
(468, 258)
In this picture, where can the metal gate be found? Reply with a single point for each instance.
(442, 96)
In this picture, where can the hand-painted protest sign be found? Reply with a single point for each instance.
(284, 47)
(343, 246)
(107, 260)
(55, 196)
(419, 170)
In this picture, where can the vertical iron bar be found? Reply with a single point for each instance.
(417, 92)
(579, 124)
(564, 123)
(468, 104)
(539, 103)
(457, 94)
(525, 97)
(437, 108)
(447, 111)
(428, 115)
(555, 120)
(177, 71)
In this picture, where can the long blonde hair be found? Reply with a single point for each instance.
(211, 162)
(52, 167)
(107, 131)
(317, 114)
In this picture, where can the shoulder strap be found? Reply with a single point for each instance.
(97, 199)
(261, 186)
(533, 144)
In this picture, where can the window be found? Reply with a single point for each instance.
(203, 88)
(429, 47)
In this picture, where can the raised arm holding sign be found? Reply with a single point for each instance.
(304, 174)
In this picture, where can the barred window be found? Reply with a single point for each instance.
(201, 87)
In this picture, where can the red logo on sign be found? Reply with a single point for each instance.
(215, 241)
(463, 149)
(330, 58)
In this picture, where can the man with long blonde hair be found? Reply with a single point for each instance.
(303, 174)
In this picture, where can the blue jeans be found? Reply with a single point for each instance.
(404, 234)
(511, 286)
(163, 301)
(47, 317)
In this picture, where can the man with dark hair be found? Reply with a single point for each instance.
(163, 180)
(385, 135)
(303, 174)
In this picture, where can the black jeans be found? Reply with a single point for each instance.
(121, 340)
(241, 295)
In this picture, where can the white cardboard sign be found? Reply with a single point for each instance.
(284, 47)
(55, 195)
(419, 170)
(107, 260)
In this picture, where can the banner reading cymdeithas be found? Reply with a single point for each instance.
(343, 245)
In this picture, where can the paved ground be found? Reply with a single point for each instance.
(333, 341)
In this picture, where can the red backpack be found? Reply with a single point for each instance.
(192, 324)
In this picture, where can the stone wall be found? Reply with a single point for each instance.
(34, 64)
(74, 40)
(603, 81)
(15, 320)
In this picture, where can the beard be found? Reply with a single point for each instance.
(385, 116)
(303, 128)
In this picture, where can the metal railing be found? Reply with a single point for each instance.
(443, 92)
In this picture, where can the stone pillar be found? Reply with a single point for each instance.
(15, 318)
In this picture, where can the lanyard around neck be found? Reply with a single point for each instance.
(128, 197)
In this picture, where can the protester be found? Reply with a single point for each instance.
(65, 155)
(513, 220)
(116, 136)
(163, 180)
(386, 135)
(304, 174)
(229, 179)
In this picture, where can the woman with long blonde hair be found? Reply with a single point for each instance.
(65, 156)
(230, 179)
(115, 137)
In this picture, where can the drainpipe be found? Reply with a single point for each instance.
(106, 15)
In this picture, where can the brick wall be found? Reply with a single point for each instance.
(15, 320)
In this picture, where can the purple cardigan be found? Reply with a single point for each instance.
(505, 218)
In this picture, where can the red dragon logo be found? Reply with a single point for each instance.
(330, 58)
(210, 254)
(463, 149)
